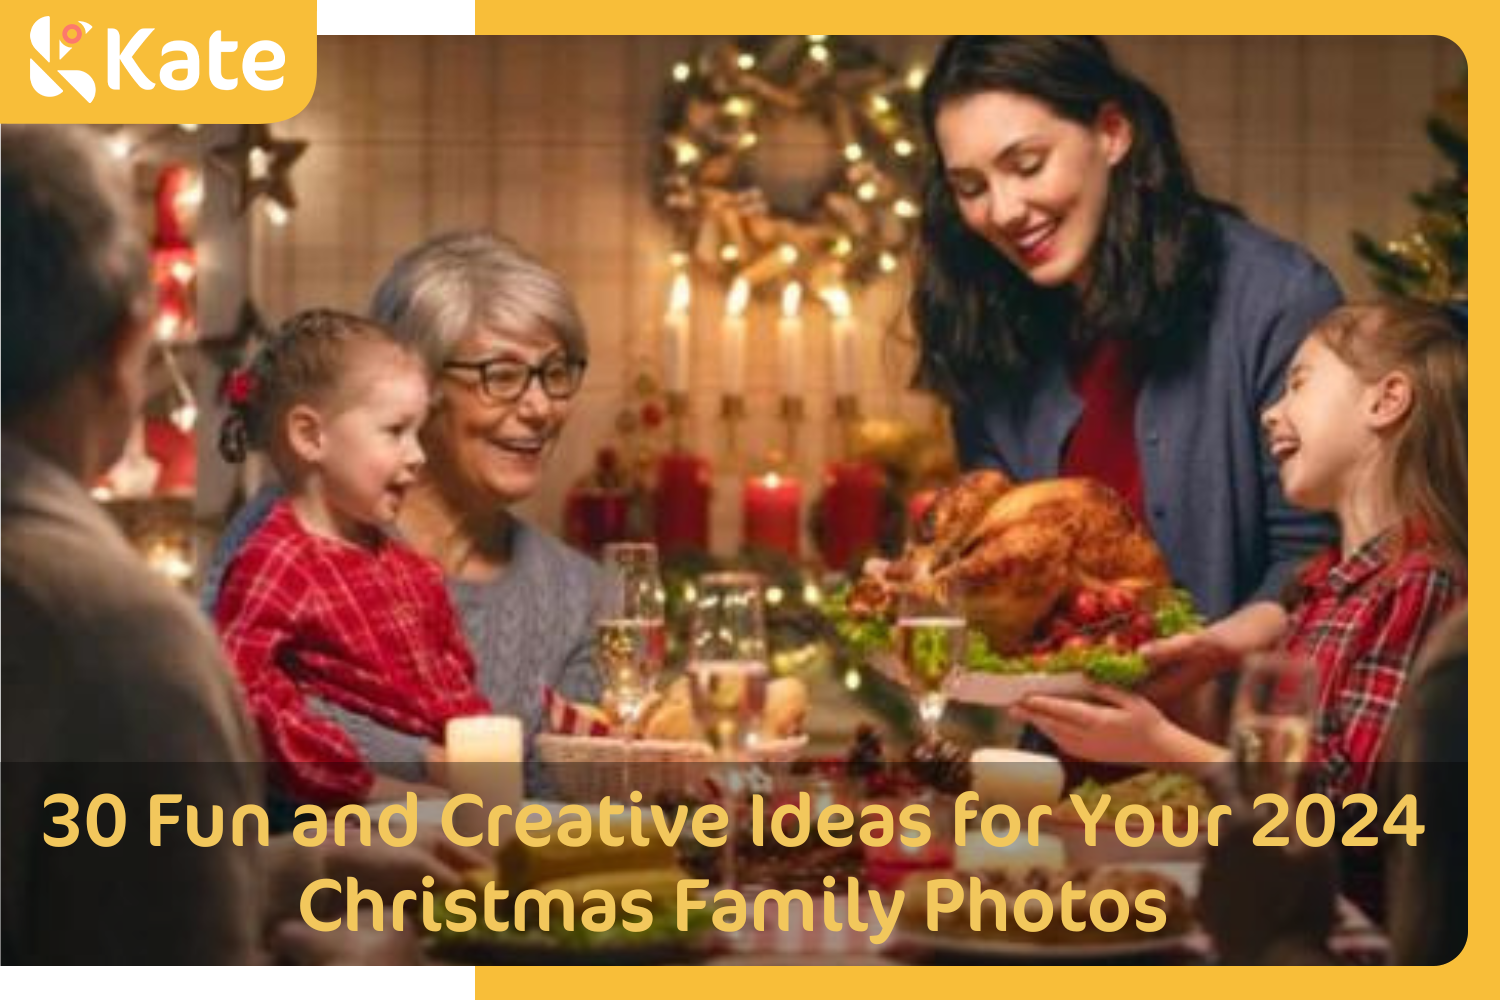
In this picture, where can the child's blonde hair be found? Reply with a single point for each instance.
(1430, 451)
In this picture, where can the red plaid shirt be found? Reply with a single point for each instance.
(1362, 621)
(369, 629)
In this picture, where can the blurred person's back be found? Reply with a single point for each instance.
(112, 683)
(1427, 885)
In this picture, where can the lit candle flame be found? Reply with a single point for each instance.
(838, 303)
(791, 300)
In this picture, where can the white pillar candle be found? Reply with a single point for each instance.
(978, 855)
(1017, 778)
(677, 336)
(732, 338)
(789, 341)
(485, 754)
(845, 348)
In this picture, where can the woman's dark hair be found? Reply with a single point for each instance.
(305, 362)
(1157, 260)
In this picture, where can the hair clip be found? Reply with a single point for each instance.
(239, 387)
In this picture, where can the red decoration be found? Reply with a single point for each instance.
(239, 387)
(596, 516)
(773, 514)
(853, 503)
(682, 499)
(916, 509)
(177, 199)
(177, 453)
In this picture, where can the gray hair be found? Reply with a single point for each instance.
(74, 263)
(456, 284)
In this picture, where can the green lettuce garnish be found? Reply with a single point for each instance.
(1173, 613)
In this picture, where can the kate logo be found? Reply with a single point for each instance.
(158, 61)
(41, 40)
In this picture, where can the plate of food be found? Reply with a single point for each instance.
(1061, 587)
(1054, 942)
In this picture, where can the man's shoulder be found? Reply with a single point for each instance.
(95, 641)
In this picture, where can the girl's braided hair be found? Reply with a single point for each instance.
(303, 362)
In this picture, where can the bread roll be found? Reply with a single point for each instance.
(786, 708)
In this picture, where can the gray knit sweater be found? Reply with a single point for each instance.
(530, 626)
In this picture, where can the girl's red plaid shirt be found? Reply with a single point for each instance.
(370, 629)
(1362, 620)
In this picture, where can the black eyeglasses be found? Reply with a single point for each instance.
(505, 380)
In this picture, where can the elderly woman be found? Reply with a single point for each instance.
(507, 343)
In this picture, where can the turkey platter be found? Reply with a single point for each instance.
(1056, 576)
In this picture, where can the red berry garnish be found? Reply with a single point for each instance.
(1118, 601)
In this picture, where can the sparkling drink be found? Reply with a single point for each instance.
(729, 697)
(630, 653)
(1269, 751)
(930, 650)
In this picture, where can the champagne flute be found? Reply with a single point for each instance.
(728, 674)
(932, 646)
(630, 635)
(1272, 723)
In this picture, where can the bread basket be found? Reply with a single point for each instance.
(587, 768)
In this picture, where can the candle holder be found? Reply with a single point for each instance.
(677, 413)
(846, 417)
(732, 413)
(793, 412)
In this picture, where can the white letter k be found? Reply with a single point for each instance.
(127, 59)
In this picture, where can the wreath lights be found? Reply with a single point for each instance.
(717, 110)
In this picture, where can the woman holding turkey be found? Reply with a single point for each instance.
(1087, 311)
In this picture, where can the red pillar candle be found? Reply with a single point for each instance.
(853, 494)
(682, 499)
(596, 517)
(773, 514)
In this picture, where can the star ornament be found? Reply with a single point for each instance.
(260, 166)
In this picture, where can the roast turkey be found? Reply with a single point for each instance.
(1016, 552)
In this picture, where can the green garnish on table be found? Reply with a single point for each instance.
(1173, 614)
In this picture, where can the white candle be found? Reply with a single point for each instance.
(485, 754)
(978, 855)
(842, 333)
(1017, 778)
(677, 336)
(789, 341)
(733, 338)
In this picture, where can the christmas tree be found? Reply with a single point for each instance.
(1431, 262)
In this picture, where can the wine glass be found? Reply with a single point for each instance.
(1271, 726)
(630, 634)
(931, 646)
(728, 673)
